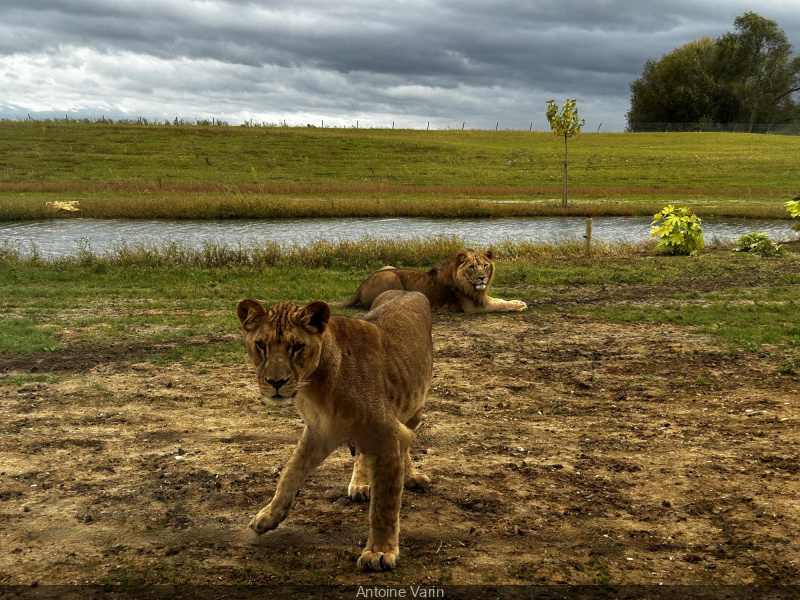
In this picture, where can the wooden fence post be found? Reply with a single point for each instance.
(588, 237)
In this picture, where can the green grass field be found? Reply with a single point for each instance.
(741, 300)
(117, 170)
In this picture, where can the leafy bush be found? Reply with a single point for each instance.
(793, 206)
(758, 243)
(678, 231)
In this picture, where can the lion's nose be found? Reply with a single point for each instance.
(277, 383)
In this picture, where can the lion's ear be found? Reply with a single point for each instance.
(248, 310)
(462, 257)
(316, 316)
(489, 254)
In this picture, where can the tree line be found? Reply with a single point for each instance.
(749, 75)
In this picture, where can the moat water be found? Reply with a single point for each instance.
(62, 237)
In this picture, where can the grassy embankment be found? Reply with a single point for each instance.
(163, 171)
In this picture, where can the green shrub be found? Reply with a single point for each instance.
(678, 231)
(793, 206)
(758, 243)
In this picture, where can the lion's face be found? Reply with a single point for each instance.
(285, 343)
(475, 270)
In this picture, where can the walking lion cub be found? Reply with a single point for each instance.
(361, 381)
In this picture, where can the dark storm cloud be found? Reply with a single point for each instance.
(449, 58)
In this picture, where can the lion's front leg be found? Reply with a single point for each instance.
(307, 456)
(499, 305)
(387, 470)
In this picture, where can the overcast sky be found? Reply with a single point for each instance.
(443, 62)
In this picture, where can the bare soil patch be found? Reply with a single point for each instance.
(562, 450)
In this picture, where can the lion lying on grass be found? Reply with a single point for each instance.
(461, 283)
(362, 381)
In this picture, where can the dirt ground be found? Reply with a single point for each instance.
(562, 450)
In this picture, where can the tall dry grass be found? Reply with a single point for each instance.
(364, 253)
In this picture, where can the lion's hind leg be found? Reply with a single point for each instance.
(358, 490)
(379, 282)
(414, 480)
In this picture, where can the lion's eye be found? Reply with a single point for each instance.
(297, 348)
(472, 267)
(262, 346)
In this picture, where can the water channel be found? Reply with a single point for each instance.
(62, 237)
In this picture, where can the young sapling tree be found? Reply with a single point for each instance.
(564, 123)
(678, 231)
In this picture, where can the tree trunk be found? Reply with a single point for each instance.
(564, 192)
(753, 117)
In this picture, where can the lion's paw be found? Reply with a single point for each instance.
(267, 519)
(418, 482)
(358, 493)
(378, 561)
(518, 305)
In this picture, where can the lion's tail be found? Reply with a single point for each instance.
(353, 301)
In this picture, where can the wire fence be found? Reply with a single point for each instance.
(763, 128)
(438, 125)
(388, 123)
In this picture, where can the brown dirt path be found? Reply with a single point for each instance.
(561, 450)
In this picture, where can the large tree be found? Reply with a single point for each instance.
(745, 76)
(676, 89)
